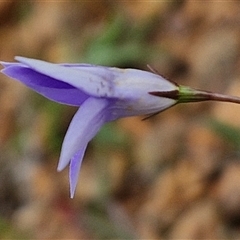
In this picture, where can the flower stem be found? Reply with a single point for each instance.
(187, 94)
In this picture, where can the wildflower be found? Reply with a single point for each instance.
(103, 94)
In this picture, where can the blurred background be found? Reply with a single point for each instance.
(173, 176)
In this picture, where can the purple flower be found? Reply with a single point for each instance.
(103, 94)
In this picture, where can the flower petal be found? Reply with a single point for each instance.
(94, 81)
(129, 85)
(85, 124)
(49, 87)
(133, 82)
(74, 169)
(132, 93)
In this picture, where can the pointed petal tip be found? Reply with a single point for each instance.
(63, 161)
(72, 194)
(25, 60)
(72, 190)
(18, 58)
(61, 166)
(74, 169)
(32, 63)
(59, 169)
(4, 64)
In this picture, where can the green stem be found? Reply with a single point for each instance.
(187, 94)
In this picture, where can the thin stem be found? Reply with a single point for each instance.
(218, 97)
(187, 94)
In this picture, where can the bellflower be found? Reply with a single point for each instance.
(103, 94)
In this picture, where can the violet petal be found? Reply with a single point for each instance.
(132, 96)
(83, 127)
(49, 87)
(88, 81)
(74, 169)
